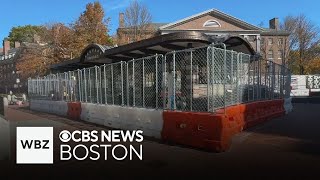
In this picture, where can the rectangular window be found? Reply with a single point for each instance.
(270, 41)
(270, 54)
(280, 41)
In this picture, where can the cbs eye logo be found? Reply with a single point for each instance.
(65, 136)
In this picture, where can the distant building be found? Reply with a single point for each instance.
(271, 43)
(9, 57)
(8, 71)
(124, 34)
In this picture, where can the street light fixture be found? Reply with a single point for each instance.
(17, 80)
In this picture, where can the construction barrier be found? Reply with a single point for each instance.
(52, 107)
(215, 131)
(3, 107)
(128, 118)
(201, 130)
(260, 111)
(74, 110)
(210, 131)
(4, 139)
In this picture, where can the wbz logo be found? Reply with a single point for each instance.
(34, 145)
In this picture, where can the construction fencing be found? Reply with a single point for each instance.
(199, 79)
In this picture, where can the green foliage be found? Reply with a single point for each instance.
(23, 33)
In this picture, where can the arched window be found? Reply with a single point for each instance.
(211, 23)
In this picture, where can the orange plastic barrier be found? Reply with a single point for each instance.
(201, 130)
(214, 131)
(260, 111)
(74, 110)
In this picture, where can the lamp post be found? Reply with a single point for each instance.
(17, 80)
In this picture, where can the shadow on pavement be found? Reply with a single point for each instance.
(301, 126)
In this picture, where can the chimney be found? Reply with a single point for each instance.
(274, 23)
(36, 39)
(6, 47)
(121, 20)
(16, 44)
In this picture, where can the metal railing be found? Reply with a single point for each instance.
(198, 79)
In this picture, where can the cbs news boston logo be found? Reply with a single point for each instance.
(35, 145)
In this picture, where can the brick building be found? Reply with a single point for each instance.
(124, 34)
(9, 57)
(8, 71)
(271, 43)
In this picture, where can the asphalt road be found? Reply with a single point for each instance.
(287, 147)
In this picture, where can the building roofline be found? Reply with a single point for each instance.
(275, 33)
(210, 31)
(208, 12)
(162, 44)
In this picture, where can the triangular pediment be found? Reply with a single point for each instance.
(211, 20)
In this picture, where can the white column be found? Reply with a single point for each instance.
(258, 43)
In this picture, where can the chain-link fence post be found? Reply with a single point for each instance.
(143, 84)
(133, 84)
(174, 82)
(122, 82)
(157, 82)
(209, 84)
(164, 83)
(79, 85)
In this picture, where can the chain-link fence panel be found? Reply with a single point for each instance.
(138, 82)
(198, 80)
(109, 84)
(151, 81)
(218, 66)
(182, 75)
(186, 82)
(130, 83)
(118, 83)
(202, 79)
(144, 82)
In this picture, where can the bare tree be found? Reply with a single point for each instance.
(304, 38)
(261, 24)
(138, 19)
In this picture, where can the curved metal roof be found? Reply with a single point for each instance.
(155, 45)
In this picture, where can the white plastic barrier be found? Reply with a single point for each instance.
(288, 105)
(52, 107)
(59, 107)
(127, 118)
(93, 113)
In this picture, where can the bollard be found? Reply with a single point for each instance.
(4, 130)
(3, 107)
